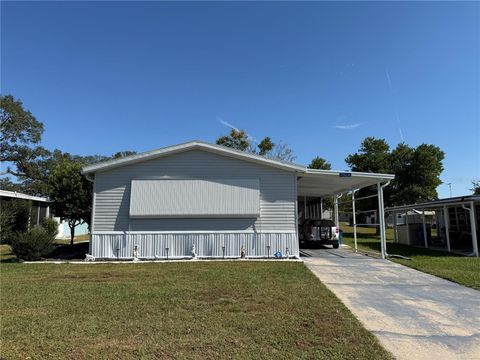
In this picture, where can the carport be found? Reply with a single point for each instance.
(456, 218)
(320, 184)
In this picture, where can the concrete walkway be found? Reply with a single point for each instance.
(413, 314)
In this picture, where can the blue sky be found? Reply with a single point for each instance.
(111, 76)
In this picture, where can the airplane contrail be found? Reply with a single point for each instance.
(395, 109)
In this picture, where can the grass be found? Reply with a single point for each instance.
(196, 310)
(460, 269)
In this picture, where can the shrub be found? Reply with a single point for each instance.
(13, 218)
(50, 226)
(33, 245)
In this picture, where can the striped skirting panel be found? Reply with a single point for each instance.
(163, 245)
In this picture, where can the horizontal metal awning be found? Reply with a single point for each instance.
(322, 183)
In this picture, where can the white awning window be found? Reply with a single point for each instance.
(195, 198)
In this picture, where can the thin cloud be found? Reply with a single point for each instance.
(227, 124)
(392, 93)
(231, 126)
(347, 126)
(389, 80)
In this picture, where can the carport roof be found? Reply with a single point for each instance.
(330, 182)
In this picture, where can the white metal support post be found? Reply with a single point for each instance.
(354, 220)
(425, 240)
(407, 227)
(395, 227)
(473, 226)
(304, 208)
(337, 222)
(321, 207)
(381, 211)
(446, 219)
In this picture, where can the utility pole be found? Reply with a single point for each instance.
(450, 187)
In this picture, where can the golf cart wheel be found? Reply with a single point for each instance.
(336, 246)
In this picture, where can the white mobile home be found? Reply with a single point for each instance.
(215, 200)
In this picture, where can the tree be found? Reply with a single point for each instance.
(122, 154)
(373, 156)
(71, 194)
(476, 187)
(320, 163)
(417, 173)
(417, 170)
(237, 139)
(265, 146)
(20, 134)
(281, 151)
(7, 184)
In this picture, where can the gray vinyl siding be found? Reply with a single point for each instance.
(112, 194)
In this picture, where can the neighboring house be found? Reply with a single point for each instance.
(38, 207)
(414, 217)
(451, 224)
(207, 198)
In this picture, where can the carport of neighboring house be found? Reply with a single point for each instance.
(315, 185)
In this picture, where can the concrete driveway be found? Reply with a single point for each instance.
(413, 314)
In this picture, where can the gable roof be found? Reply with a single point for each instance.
(311, 182)
(192, 145)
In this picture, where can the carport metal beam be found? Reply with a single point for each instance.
(381, 210)
(354, 221)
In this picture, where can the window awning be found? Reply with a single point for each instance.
(195, 198)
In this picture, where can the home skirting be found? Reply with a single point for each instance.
(218, 244)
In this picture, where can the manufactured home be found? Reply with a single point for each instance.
(210, 201)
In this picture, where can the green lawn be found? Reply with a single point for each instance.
(461, 269)
(176, 310)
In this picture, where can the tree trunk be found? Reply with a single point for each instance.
(72, 232)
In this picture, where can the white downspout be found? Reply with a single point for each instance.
(446, 219)
(473, 227)
(425, 240)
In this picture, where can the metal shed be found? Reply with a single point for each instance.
(205, 200)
